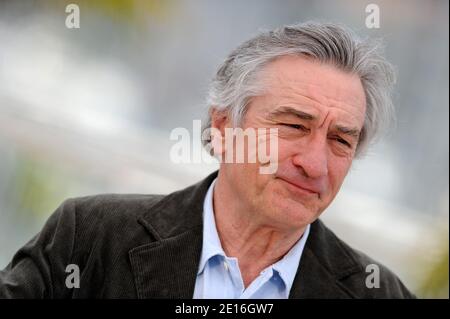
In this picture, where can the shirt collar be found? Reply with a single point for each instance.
(288, 265)
(211, 240)
(285, 267)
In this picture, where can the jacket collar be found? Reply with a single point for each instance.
(167, 266)
(324, 265)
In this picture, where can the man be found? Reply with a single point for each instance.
(238, 233)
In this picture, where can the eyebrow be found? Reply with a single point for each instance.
(287, 110)
(354, 132)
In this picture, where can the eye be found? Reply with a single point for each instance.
(295, 126)
(343, 142)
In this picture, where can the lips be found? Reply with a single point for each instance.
(301, 187)
(299, 183)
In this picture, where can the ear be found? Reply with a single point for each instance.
(219, 121)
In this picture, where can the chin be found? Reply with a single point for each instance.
(291, 213)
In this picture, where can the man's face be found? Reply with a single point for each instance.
(319, 112)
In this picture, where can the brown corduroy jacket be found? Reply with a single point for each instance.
(149, 246)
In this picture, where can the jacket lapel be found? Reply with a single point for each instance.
(167, 267)
(322, 266)
(313, 281)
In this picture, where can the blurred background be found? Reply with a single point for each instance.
(90, 110)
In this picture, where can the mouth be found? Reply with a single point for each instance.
(299, 189)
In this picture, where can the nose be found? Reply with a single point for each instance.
(312, 158)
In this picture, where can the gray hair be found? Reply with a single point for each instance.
(236, 79)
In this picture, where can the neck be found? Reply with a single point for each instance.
(244, 235)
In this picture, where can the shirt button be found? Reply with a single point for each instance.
(225, 265)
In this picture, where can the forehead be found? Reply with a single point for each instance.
(312, 86)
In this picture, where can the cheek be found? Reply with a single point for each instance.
(337, 171)
(247, 178)
(285, 149)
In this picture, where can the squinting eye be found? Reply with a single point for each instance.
(342, 141)
(296, 126)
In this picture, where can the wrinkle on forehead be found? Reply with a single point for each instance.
(317, 86)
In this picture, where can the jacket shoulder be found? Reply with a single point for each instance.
(112, 207)
(106, 221)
